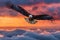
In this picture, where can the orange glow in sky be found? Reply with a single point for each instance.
(20, 22)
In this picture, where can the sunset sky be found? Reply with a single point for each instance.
(11, 18)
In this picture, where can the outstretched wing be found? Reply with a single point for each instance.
(18, 9)
(43, 17)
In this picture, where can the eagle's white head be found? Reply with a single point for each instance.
(30, 16)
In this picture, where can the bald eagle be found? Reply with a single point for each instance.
(31, 18)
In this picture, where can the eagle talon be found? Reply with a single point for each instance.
(30, 21)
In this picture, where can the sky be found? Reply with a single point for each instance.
(14, 27)
(9, 17)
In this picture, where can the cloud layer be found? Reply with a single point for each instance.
(19, 34)
(28, 2)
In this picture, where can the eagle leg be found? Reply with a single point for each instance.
(29, 20)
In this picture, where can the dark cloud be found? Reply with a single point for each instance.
(28, 35)
(56, 34)
(17, 38)
(58, 8)
(40, 37)
(34, 8)
(52, 1)
(25, 38)
(12, 13)
(8, 12)
(22, 2)
(52, 9)
(12, 33)
(28, 2)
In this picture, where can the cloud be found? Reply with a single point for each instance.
(56, 34)
(34, 8)
(8, 12)
(24, 38)
(23, 2)
(40, 37)
(12, 33)
(19, 34)
(17, 38)
(28, 2)
(52, 1)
